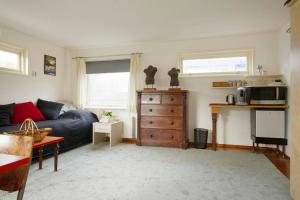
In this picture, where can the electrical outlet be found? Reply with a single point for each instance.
(34, 73)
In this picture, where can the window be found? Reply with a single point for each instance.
(217, 63)
(108, 84)
(108, 90)
(13, 59)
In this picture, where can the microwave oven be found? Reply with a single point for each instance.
(266, 95)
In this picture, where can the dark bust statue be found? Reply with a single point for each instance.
(173, 73)
(150, 72)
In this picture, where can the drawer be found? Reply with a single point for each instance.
(151, 99)
(161, 122)
(160, 137)
(172, 99)
(161, 110)
(102, 128)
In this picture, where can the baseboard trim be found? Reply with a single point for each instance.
(223, 146)
(241, 147)
(129, 140)
(191, 144)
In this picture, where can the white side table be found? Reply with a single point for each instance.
(113, 129)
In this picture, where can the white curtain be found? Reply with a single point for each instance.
(81, 83)
(134, 85)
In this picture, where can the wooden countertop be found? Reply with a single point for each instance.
(224, 105)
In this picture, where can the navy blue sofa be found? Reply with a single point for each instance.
(75, 126)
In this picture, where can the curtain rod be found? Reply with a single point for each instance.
(106, 56)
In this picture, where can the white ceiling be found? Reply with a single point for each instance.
(82, 23)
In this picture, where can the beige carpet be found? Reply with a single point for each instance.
(149, 173)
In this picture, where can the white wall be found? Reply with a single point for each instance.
(233, 125)
(20, 88)
(285, 68)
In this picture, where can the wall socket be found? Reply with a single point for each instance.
(34, 73)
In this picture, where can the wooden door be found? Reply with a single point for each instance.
(295, 100)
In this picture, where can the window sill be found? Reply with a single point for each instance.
(9, 72)
(107, 108)
(213, 75)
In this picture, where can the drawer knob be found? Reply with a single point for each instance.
(172, 110)
(150, 110)
(151, 136)
(172, 99)
(151, 122)
(172, 137)
(172, 123)
(150, 99)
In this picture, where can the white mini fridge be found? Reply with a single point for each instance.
(268, 126)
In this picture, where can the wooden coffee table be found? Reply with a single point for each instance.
(8, 162)
(47, 141)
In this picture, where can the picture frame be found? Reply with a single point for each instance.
(49, 65)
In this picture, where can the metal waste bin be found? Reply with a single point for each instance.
(200, 138)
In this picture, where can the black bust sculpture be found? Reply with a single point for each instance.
(150, 72)
(173, 73)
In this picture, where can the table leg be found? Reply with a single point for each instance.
(21, 193)
(56, 149)
(41, 150)
(214, 131)
(277, 149)
(283, 151)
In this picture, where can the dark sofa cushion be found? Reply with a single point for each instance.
(49, 109)
(6, 112)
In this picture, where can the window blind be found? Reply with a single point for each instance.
(107, 66)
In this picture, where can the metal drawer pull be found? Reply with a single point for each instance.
(150, 110)
(150, 99)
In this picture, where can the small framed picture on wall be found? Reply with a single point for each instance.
(49, 65)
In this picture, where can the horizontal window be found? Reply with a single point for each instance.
(217, 63)
(107, 90)
(13, 59)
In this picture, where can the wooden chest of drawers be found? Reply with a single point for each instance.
(162, 118)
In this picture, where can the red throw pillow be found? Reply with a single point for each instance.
(26, 110)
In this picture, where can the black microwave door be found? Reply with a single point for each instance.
(268, 93)
(263, 93)
(282, 93)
